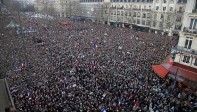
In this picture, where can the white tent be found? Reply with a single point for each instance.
(12, 25)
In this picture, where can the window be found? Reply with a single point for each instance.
(105, 11)
(118, 13)
(182, 1)
(188, 43)
(186, 59)
(155, 16)
(148, 22)
(125, 13)
(126, 6)
(178, 19)
(180, 9)
(138, 14)
(161, 24)
(196, 6)
(162, 16)
(171, 8)
(144, 15)
(134, 21)
(143, 22)
(164, 8)
(134, 14)
(62, 14)
(138, 21)
(121, 13)
(129, 13)
(195, 62)
(157, 7)
(164, 1)
(154, 23)
(168, 17)
(193, 24)
(148, 15)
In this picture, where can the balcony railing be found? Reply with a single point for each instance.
(187, 29)
(136, 9)
(178, 49)
(146, 9)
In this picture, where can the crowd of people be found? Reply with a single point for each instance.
(91, 67)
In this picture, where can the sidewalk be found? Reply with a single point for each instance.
(4, 97)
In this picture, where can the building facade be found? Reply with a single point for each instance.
(164, 16)
(186, 50)
(158, 15)
(93, 9)
(58, 8)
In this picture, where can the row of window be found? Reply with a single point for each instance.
(186, 59)
(144, 15)
(131, 0)
(180, 10)
(90, 0)
(172, 1)
(164, 1)
(129, 7)
(148, 22)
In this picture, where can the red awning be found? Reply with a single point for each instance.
(182, 70)
(160, 70)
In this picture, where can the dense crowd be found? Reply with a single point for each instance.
(92, 67)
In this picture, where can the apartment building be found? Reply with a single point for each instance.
(182, 67)
(186, 50)
(44, 6)
(157, 15)
(58, 8)
(92, 9)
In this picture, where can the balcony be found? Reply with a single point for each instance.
(188, 30)
(178, 49)
(146, 10)
(194, 11)
(136, 9)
